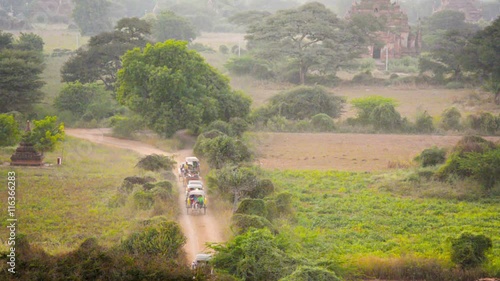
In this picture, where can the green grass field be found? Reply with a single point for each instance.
(353, 216)
(59, 206)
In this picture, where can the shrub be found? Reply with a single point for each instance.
(385, 117)
(164, 239)
(220, 126)
(406, 65)
(284, 204)
(366, 105)
(238, 126)
(254, 207)
(117, 200)
(484, 167)
(304, 102)
(450, 119)
(222, 150)
(322, 122)
(467, 145)
(241, 223)
(143, 200)
(264, 188)
(125, 127)
(246, 65)
(469, 250)
(9, 130)
(454, 85)
(311, 273)
(156, 162)
(423, 123)
(485, 123)
(432, 156)
(223, 49)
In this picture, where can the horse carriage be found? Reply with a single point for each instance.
(189, 170)
(196, 201)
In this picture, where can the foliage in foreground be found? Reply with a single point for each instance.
(9, 130)
(91, 261)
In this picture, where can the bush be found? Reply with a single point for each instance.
(322, 123)
(156, 162)
(264, 188)
(284, 204)
(405, 65)
(450, 119)
(304, 102)
(467, 145)
(143, 200)
(246, 65)
(164, 239)
(125, 127)
(484, 167)
(366, 105)
(454, 85)
(423, 123)
(9, 130)
(385, 117)
(223, 49)
(469, 250)
(432, 156)
(485, 123)
(311, 273)
(241, 223)
(220, 126)
(254, 207)
(117, 200)
(222, 150)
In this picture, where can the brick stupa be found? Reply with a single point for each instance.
(25, 154)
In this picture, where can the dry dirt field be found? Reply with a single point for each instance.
(344, 152)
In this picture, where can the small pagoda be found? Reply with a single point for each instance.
(25, 154)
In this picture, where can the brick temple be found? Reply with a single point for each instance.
(25, 154)
(398, 39)
(468, 7)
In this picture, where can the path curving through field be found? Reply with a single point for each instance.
(199, 229)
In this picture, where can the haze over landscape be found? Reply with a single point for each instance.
(250, 140)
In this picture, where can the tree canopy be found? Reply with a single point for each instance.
(168, 25)
(173, 88)
(20, 81)
(92, 16)
(482, 54)
(100, 60)
(309, 37)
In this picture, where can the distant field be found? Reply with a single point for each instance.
(343, 152)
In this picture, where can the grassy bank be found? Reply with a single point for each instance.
(59, 206)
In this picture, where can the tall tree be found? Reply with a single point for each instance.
(100, 60)
(445, 54)
(20, 81)
(482, 55)
(168, 25)
(173, 88)
(92, 16)
(310, 37)
(30, 42)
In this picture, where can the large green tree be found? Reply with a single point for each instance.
(482, 55)
(173, 88)
(20, 81)
(92, 16)
(100, 60)
(445, 54)
(309, 37)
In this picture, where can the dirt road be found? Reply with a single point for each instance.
(199, 229)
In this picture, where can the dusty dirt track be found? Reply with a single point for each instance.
(199, 229)
(344, 152)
